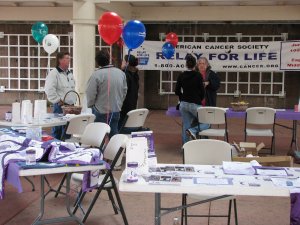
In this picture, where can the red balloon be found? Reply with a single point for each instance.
(172, 38)
(110, 27)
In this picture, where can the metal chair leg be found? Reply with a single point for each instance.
(111, 198)
(229, 212)
(77, 204)
(235, 212)
(118, 199)
(78, 197)
(32, 184)
(208, 218)
(60, 185)
(273, 146)
(185, 211)
(183, 202)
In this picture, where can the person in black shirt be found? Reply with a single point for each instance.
(190, 90)
(132, 77)
(211, 82)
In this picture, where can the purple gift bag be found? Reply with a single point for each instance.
(295, 208)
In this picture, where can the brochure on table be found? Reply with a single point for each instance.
(137, 151)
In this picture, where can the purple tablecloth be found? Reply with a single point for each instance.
(286, 114)
(173, 112)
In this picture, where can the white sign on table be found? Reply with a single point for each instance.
(137, 151)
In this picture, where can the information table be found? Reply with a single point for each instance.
(209, 180)
(50, 120)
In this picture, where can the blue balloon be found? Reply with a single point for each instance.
(39, 30)
(134, 34)
(168, 50)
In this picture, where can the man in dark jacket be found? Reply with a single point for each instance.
(132, 77)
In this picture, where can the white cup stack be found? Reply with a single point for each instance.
(40, 109)
(16, 112)
(26, 112)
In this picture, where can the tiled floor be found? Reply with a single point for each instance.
(22, 208)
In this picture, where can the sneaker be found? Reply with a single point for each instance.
(190, 134)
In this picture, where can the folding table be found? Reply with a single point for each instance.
(65, 170)
(51, 120)
(238, 187)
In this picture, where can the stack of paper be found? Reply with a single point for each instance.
(238, 168)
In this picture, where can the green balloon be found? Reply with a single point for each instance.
(39, 30)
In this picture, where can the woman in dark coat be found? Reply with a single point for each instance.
(211, 82)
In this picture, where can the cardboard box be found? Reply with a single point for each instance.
(246, 148)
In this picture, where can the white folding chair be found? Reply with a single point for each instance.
(207, 152)
(213, 116)
(112, 153)
(263, 118)
(75, 127)
(134, 121)
(93, 136)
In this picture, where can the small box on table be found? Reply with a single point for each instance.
(246, 148)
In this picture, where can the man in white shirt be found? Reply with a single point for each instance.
(58, 82)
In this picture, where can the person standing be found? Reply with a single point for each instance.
(58, 82)
(190, 90)
(211, 82)
(106, 91)
(129, 66)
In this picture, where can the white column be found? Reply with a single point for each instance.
(84, 24)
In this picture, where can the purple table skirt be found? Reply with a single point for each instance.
(12, 176)
(287, 114)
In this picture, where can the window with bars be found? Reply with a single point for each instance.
(24, 63)
(233, 83)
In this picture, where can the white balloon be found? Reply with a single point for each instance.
(50, 43)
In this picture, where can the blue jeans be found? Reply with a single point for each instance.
(189, 113)
(112, 119)
(196, 129)
(58, 130)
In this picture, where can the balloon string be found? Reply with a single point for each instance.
(48, 66)
(110, 53)
(121, 53)
(108, 91)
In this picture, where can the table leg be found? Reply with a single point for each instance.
(157, 208)
(71, 216)
(68, 203)
(42, 202)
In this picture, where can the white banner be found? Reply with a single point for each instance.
(290, 55)
(223, 56)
